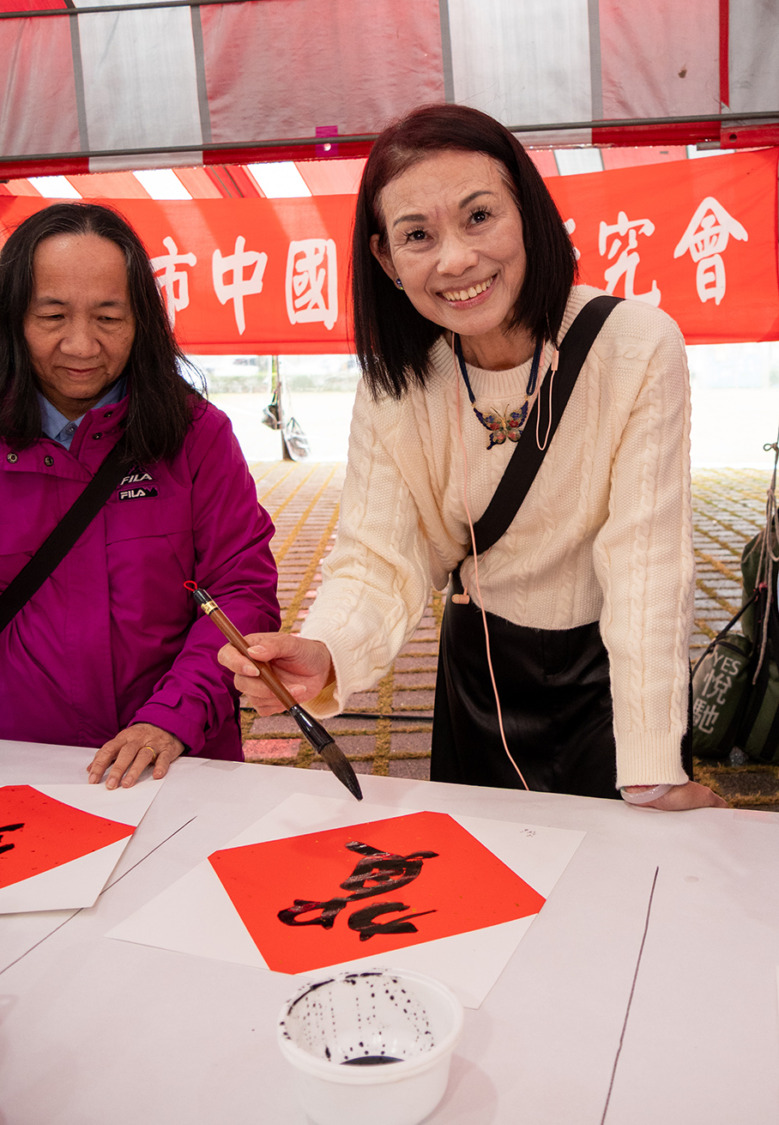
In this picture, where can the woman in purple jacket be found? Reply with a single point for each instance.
(110, 653)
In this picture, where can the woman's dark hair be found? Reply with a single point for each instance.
(392, 338)
(160, 399)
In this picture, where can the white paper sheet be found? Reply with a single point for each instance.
(196, 915)
(79, 882)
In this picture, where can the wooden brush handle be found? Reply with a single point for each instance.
(266, 672)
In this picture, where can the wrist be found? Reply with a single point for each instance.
(643, 794)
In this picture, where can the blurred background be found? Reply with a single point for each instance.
(735, 402)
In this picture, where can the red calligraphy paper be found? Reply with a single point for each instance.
(38, 833)
(363, 890)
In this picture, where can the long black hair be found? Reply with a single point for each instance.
(392, 338)
(160, 398)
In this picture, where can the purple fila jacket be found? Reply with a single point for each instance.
(112, 637)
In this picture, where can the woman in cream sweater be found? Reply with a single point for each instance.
(463, 289)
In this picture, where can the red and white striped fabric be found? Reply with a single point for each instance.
(92, 85)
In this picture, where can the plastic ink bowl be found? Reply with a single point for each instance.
(373, 1046)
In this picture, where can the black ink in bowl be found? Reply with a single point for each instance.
(342, 1036)
(370, 1060)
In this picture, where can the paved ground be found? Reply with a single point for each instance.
(387, 731)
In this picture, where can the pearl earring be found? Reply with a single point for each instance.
(399, 283)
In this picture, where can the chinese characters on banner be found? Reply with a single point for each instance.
(259, 276)
(697, 238)
(706, 240)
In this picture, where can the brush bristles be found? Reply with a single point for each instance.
(341, 767)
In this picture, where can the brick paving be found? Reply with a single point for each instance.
(386, 731)
(729, 508)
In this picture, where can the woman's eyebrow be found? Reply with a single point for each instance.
(420, 218)
(475, 195)
(409, 219)
(117, 303)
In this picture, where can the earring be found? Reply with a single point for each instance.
(398, 283)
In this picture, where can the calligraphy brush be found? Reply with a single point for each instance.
(313, 731)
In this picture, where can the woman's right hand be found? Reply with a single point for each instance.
(303, 666)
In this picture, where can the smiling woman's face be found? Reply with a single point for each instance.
(80, 325)
(455, 240)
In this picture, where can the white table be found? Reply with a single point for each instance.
(95, 1031)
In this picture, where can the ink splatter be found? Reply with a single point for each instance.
(360, 1019)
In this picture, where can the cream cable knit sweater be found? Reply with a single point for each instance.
(605, 532)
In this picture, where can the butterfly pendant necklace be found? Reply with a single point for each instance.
(509, 424)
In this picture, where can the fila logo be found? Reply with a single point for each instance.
(135, 476)
(137, 493)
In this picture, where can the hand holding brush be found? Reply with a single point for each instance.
(313, 731)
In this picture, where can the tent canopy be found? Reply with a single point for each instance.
(91, 85)
(210, 87)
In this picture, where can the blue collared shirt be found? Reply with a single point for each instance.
(56, 426)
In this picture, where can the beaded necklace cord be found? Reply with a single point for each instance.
(509, 424)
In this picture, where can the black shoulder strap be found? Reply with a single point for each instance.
(526, 459)
(54, 548)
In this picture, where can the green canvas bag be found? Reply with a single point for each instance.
(758, 735)
(720, 692)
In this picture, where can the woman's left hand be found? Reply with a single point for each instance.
(131, 751)
(692, 795)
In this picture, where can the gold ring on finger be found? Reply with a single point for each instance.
(154, 753)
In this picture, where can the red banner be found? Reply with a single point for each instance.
(697, 238)
(254, 276)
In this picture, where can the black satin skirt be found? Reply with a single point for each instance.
(555, 698)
